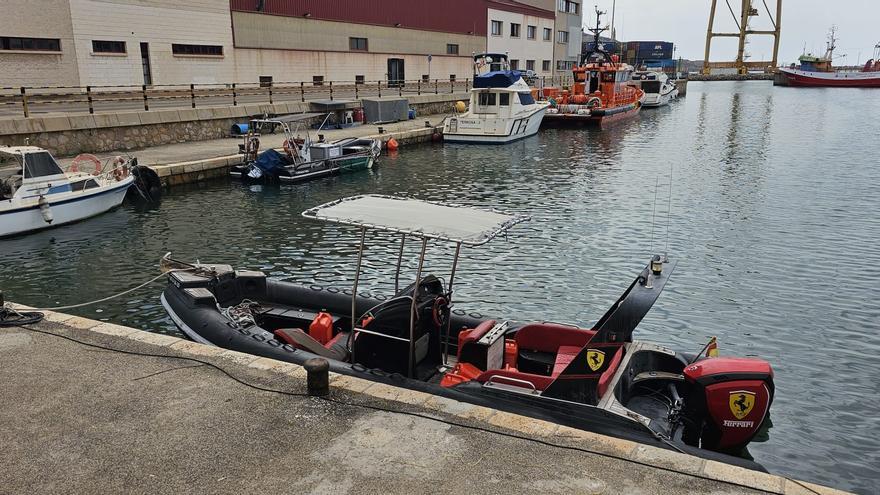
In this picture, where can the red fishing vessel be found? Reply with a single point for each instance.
(601, 92)
(819, 71)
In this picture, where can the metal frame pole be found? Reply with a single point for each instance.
(354, 291)
(449, 301)
(412, 312)
(399, 261)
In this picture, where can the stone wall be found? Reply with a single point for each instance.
(131, 130)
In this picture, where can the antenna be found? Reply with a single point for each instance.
(668, 214)
(654, 214)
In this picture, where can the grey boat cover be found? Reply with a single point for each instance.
(418, 218)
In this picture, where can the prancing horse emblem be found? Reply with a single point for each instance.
(741, 403)
(595, 359)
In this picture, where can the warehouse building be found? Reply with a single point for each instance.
(164, 42)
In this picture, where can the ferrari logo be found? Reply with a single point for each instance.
(741, 403)
(595, 359)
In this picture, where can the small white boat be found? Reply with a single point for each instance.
(36, 193)
(502, 108)
(659, 90)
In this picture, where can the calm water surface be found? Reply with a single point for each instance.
(773, 220)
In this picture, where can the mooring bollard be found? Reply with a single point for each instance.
(318, 376)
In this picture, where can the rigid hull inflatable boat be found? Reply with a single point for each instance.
(596, 379)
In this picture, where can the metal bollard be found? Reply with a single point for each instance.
(318, 376)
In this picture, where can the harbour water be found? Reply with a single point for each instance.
(767, 198)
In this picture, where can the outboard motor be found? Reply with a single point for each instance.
(728, 401)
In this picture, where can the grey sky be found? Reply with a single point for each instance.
(684, 22)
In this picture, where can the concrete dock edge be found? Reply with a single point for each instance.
(516, 424)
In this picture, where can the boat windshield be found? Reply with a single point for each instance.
(40, 164)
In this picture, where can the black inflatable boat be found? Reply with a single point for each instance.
(596, 379)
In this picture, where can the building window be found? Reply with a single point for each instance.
(426, 78)
(548, 34)
(531, 32)
(562, 37)
(357, 44)
(514, 64)
(564, 65)
(568, 6)
(545, 66)
(514, 30)
(265, 81)
(359, 79)
(99, 46)
(317, 80)
(497, 27)
(31, 44)
(451, 49)
(504, 99)
(451, 77)
(530, 65)
(199, 50)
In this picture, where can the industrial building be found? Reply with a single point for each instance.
(165, 42)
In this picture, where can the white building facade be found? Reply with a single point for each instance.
(527, 39)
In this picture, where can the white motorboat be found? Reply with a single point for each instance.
(659, 90)
(36, 193)
(502, 108)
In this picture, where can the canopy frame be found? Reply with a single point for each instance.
(475, 239)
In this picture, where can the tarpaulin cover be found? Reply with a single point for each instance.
(497, 79)
(270, 161)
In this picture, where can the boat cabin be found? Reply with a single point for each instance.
(31, 166)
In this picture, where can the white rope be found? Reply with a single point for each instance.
(114, 296)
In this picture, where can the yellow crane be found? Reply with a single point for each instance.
(747, 11)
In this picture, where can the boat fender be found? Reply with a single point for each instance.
(392, 144)
(45, 210)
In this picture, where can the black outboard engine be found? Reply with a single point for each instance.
(727, 401)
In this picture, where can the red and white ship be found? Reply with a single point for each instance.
(818, 71)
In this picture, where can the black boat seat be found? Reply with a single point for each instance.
(334, 349)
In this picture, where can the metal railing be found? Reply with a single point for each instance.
(34, 99)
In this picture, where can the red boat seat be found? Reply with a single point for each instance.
(467, 336)
(605, 377)
(549, 337)
(564, 356)
(334, 349)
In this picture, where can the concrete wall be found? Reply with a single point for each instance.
(295, 49)
(159, 23)
(129, 130)
(38, 19)
(521, 48)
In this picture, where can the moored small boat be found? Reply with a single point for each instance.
(302, 159)
(595, 378)
(36, 193)
(658, 89)
(502, 108)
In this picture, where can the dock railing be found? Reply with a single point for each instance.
(28, 100)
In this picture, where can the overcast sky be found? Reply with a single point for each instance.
(684, 22)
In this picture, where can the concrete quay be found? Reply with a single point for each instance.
(90, 406)
(195, 161)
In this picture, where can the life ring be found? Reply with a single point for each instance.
(82, 159)
(594, 102)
